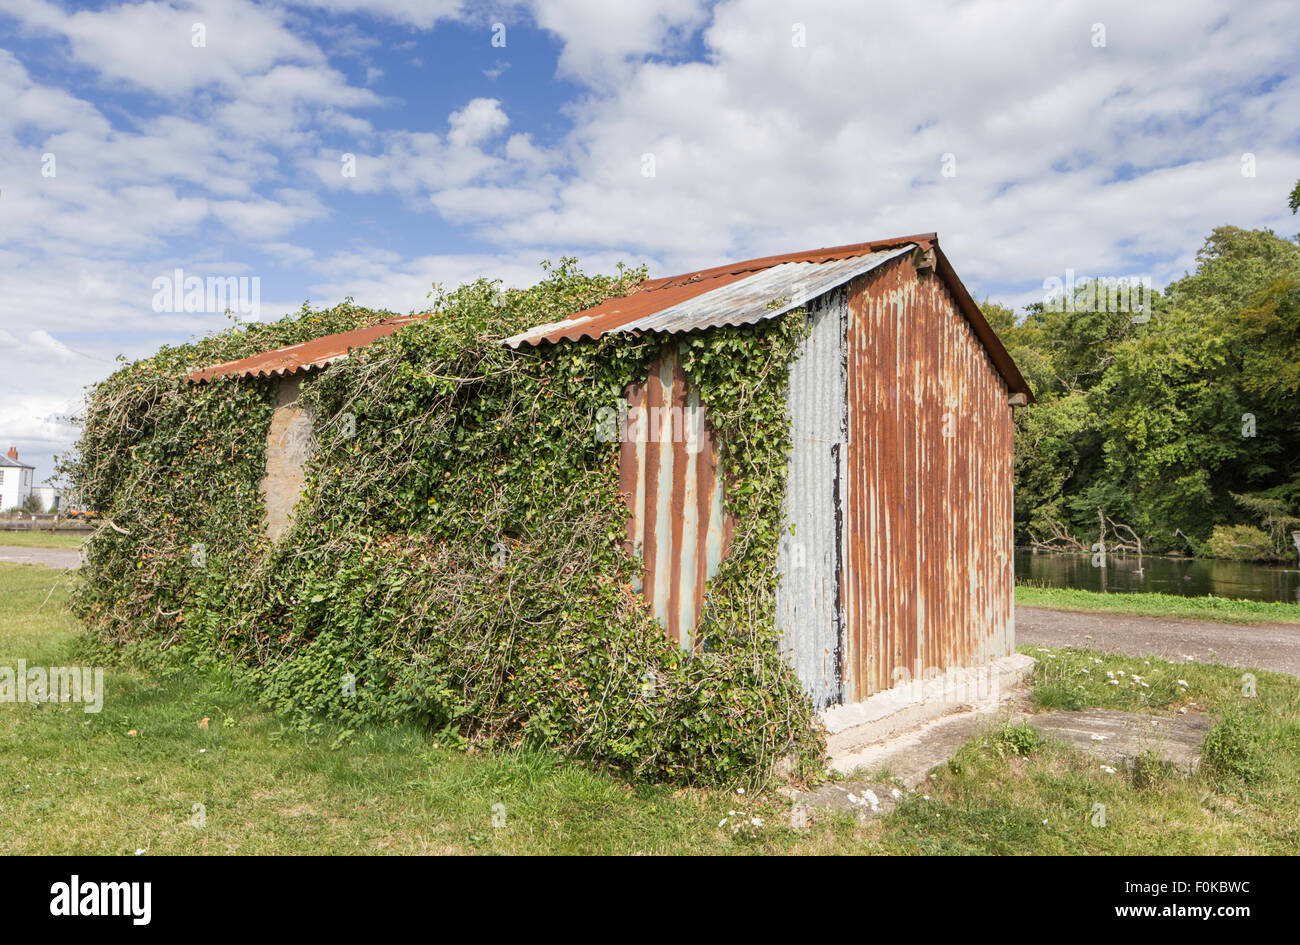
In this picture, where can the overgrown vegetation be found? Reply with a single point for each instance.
(1174, 421)
(457, 558)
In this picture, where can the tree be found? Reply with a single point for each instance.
(1160, 422)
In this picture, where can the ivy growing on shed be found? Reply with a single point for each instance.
(458, 553)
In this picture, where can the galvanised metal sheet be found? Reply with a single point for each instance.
(928, 526)
(656, 295)
(669, 477)
(765, 294)
(723, 299)
(809, 613)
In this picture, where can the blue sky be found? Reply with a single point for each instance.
(1106, 138)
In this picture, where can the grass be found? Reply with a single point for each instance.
(129, 777)
(1216, 609)
(42, 539)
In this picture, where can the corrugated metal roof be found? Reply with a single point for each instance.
(657, 296)
(307, 356)
(741, 293)
(765, 294)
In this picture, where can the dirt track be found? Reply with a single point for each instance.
(1274, 646)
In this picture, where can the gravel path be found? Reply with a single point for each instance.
(1274, 646)
(50, 557)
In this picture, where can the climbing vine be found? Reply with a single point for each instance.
(457, 556)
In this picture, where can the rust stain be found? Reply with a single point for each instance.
(309, 355)
(669, 477)
(928, 572)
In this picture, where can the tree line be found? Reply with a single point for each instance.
(1179, 419)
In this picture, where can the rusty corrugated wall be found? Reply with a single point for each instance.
(809, 611)
(928, 525)
(668, 474)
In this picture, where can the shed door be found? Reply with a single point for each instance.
(668, 474)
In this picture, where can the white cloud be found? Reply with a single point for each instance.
(480, 119)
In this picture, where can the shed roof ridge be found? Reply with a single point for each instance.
(844, 251)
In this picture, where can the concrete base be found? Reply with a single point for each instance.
(910, 705)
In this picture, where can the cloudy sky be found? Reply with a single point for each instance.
(372, 147)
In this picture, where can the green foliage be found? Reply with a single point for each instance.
(1238, 543)
(457, 557)
(1160, 422)
(1234, 747)
(1019, 740)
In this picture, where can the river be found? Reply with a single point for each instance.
(1191, 577)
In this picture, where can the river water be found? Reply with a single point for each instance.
(1191, 577)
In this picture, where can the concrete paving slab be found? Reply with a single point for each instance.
(1118, 737)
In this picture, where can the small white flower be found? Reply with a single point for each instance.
(203, 751)
(756, 821)
(139, 852)
(1110, 673)
(1182, 682)
(1108, 769)
(1041, 650)
(740, 790)
(1113, 682)
(895, 793)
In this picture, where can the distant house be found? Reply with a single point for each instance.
(15, 480)
(51, 498)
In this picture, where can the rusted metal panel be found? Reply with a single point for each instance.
(928, 527)
(669, 477)
(809, 612)
(309, 355)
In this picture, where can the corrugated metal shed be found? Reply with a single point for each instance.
(307, 356)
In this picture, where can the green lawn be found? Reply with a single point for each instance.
(129, 778)
(1218, 609)
(43, 539)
